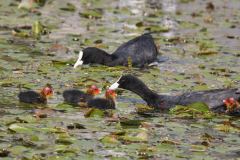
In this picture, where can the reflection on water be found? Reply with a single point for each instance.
(169, 6)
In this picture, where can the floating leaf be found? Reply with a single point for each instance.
(37, 28)
(18, 148)
(20, 129)
(47, 129)
(207, 52)
(184, 115)
(189, 25)
(69, 7)
(135, 139)
(97, 113)
(88, 113)
(226, 128)
(199, 107)
(165, 141)
(59, 48)
(143, 135)
(206, 135)
(176, 108)
(64, 106)
(91, 13)
(52, 27)
(109, 139)
(160, 29)
(119, 133)
(107, 30)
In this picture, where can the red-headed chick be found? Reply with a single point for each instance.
(35, 97)
(232, 104)
(107, 102)
(75, 96)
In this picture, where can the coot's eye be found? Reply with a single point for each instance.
(85, 56)
(161, 103)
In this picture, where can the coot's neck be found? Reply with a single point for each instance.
(138, 87)
(103, 57)
(153, 99)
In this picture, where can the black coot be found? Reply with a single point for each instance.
(107, 102)
(75, 96)
(142, 50)
(213, 98)
(35, 97)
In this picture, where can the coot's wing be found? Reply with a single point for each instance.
(213, 98)
(141, 49)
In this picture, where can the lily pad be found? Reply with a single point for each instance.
(20, 129)
(199, 107)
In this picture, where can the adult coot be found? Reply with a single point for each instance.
(212, 98)
(142, 50)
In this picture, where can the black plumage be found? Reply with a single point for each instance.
(213, 98)
(35, 97)
(107, 102)
(31, 97)
(142, 50)
(75, 96)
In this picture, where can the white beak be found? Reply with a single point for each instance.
(79, 61)
(115, 85)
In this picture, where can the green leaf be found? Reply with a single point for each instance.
(92, 13)
(134, 139)
(163, 29)
(37, 28)
(199, 107)
(52, 27)
(189, 25)
(176, 108)
(47, 129)
(184, 115)
(64, 106)
(18, 148)
(108, 139)
(20, 129)
(97, 113)
(226, 128)
(108, 30)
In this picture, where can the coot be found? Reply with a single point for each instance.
(213, 98)
(142, 50)
(35, 97)
(107, 102)
(75, 96)
(232, 104)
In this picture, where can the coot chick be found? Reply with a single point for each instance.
(75, 96)
(142, 50)
(212, 98)
(232, 104)
(107, 102)
(34, 97)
